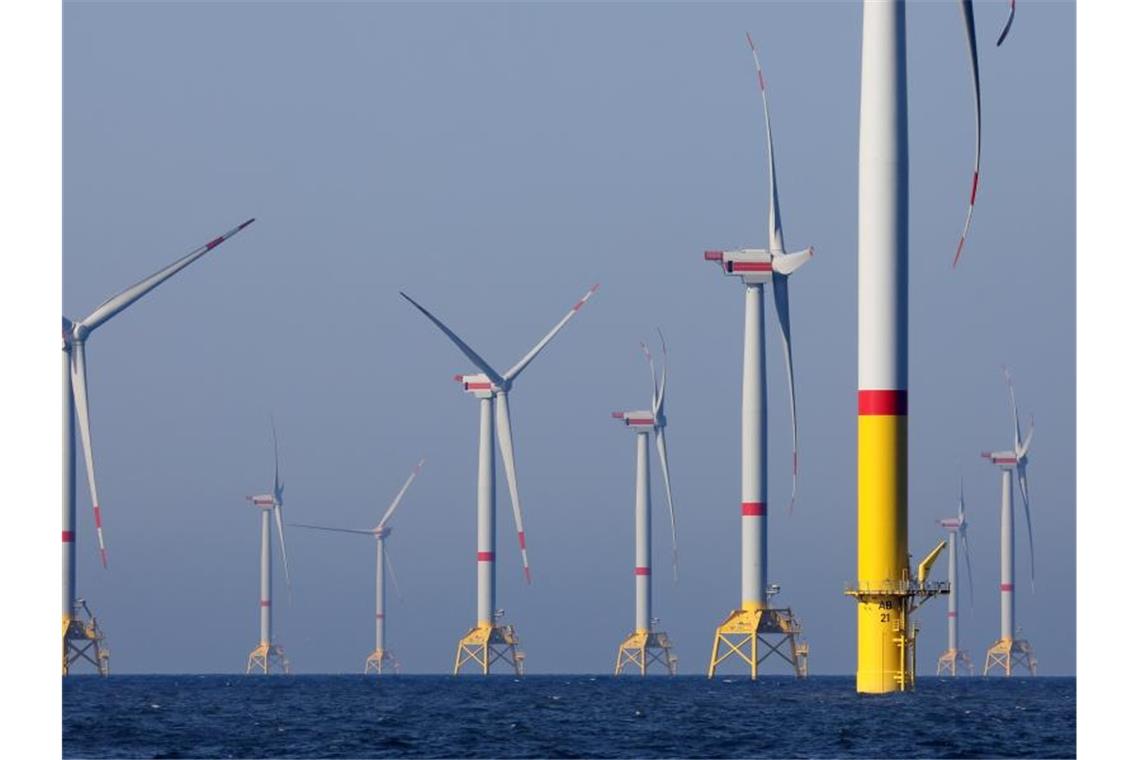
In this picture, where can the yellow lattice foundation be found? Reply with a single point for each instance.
(266, 659)
(642, 649)
(952, 659)
(1006, 654)
(749, 635)
(484, 645)
(380, 661)
(83, 640)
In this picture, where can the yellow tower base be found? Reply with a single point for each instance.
(379, 661)
(83, 640)
(486, 644)
(266, 659)
(642, 649)
(952, 659)
(749, 634)
(1005, 654)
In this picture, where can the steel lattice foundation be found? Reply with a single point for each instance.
(748, 634)
(484, 645)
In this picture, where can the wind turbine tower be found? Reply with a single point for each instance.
(953, 657)
(489, 640)
(1010, 650)
(381, 657)
(645, 645)
(886, 591)
(747, 630)
(269, 656)
(83, 639)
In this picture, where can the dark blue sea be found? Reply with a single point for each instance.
(562, 716)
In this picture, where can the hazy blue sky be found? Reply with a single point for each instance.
(494, 161)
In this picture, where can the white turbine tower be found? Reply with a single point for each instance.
(954, 657)
(268, 654)
(381, 657)
(82, 637)
(1009, 651)
(743, 629)
(489, 641)
(645, 645)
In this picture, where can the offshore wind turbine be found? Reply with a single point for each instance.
(743, 633)
(381, 657)
(954, 657)
(82, 636)
(490, 641)
(645, 645)
(269, 655)
(885, 590)
(1010, 649)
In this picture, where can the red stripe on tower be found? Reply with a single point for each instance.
(68, 536)
(882, 402)
(265, 602)
(1007, 587)
(753, 508)
(484, 556)
(641, 571)
(952, 614)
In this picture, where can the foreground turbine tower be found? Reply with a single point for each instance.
(82, 637)
(743, 632)
(490, 641)
(886, 590)
(953, 657)
(381, 657)
(1008, 651)
(645, 646)
(268, 655)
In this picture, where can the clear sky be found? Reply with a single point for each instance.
(495, 161)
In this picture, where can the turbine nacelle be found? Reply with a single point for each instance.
(478, 385)
(1006, 460)
(383, 533)
(951, 523)
(641, 422)
(755, 266)
(263, 501)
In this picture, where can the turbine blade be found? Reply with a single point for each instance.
(277, 489)
(284, 554)
(972, 45)
(1016, 418)
(783, 311)
(392, 572)
(775, 228)
(83, 417)
(969, 570)
(1023, 481)
(507, 450)
(466, 349)
(117, 303)
(1008, 22)
(1025, 444)
(661, 450)
(659, 408)
(396, 501)
(336, 530)
(652, 375)
(514, 371)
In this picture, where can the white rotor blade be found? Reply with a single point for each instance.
(660, 405)
(82, 414)
(661, 450)
(783, 312)
(335, 530)
(653, 375)
(392, 572)
(396, 501)
(1016, 417)
(1023, 480)
(115, 304)
(1008, 22)
(514, 371)
(972, 46)
(284, 554)
(775, 228)
(507, 450)
(969, 570)
(466, 349)
(1021, 452)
